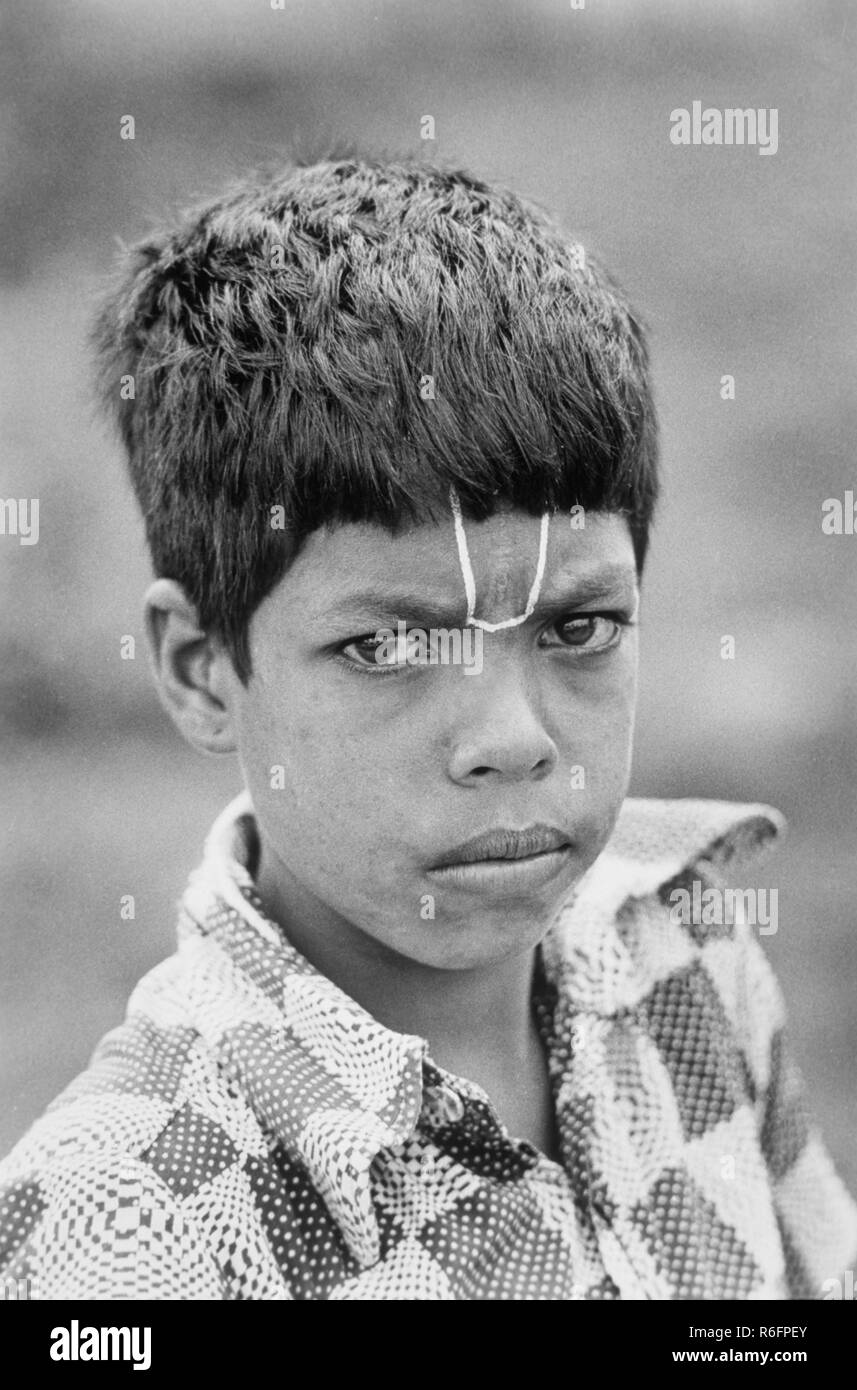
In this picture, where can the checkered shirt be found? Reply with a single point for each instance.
(250, 1132)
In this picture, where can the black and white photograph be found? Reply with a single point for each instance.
(428, 666)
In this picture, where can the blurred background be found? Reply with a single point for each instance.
(741, 265)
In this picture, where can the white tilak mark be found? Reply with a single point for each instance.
(470, 582)
(463, 554)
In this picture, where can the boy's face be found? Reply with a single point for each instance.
(382, 772)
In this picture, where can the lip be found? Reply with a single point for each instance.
(506, 877)
(505, 844)
(504, 862)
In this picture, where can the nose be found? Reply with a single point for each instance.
(499, 736)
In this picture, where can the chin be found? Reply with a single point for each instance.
(478, 940)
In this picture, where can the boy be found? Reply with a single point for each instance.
(433, 1030)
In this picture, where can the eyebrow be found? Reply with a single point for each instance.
(610, 583)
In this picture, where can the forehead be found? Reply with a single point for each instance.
(339, 567)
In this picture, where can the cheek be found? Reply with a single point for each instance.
(305, 764)
(598, 715)
(596, 739)
(612, 736)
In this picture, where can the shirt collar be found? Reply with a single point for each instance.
(596, 951)
(334, 1086)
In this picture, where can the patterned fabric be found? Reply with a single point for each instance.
(250, 1132)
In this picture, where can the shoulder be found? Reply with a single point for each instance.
(123, 1161)
(661, 911)
(101, 1224)
(130, 1089)
(660, 838)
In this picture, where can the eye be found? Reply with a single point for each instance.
(374, 651)
(588, 632)
(379, 653)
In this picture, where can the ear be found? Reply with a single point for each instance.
(193, 672)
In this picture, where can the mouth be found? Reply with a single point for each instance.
(505, 860)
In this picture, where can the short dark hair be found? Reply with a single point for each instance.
(280, 341)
